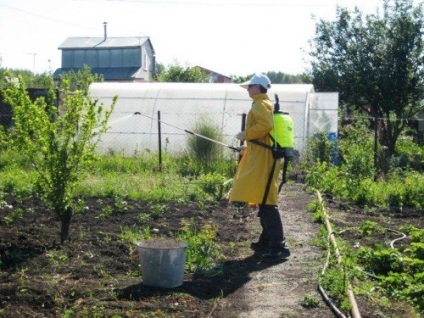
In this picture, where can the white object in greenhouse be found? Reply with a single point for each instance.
(134, 126)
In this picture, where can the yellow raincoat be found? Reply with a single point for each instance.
(255, 166)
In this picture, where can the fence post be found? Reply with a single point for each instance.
(243, 127)
(160, 142)
(375, 147)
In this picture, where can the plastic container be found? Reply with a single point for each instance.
(162, 262)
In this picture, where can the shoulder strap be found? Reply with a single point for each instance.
(284, 168)
(273, 139)
(260, 143)
(268, 185)
(284, 178)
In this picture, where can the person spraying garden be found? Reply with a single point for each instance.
(256, 178)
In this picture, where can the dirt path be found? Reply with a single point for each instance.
(279, 290)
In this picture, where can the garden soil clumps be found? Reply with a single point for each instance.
(97, 273)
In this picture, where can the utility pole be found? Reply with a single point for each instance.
(33, 61)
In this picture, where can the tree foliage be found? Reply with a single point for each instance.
(283, 78)
(375, 62)
(178, 73)
(59, 142)
(32, 80)
(278, 78)
(6, 76)
(80, 80)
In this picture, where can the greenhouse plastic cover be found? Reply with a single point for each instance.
(134, 126)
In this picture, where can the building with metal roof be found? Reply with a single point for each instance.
(215, 77)
(122, 59)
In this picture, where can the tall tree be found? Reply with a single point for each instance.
(375, 62)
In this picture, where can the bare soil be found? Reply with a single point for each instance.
(97, 274)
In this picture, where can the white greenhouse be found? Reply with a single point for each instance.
(134, 122)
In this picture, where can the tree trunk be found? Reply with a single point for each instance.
(388, 137)
(66, 223)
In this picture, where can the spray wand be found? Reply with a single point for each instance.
(191, 132)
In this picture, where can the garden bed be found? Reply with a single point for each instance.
(97, 273)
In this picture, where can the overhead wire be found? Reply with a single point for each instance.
(45, 17)
(349, 117)
(243, 3)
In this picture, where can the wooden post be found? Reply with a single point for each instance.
(375, 147)
(243, 127)
(349, 291)
(160, 142)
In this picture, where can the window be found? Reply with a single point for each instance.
(145, 64)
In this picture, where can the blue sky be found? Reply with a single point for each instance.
(233, 37)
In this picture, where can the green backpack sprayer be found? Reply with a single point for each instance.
(283, 138)
(282, 135)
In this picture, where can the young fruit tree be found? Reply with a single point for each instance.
(375, 62)
(59, 140)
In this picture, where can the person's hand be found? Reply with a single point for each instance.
(242, 150)
(240, 136)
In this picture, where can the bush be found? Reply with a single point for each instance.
(207, 154)
(203, 252)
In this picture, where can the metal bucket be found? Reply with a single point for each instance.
(162, 262)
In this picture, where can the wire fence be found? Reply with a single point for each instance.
(131, 132)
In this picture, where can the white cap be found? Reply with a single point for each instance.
(258, 79)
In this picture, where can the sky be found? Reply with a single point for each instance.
(231, 37)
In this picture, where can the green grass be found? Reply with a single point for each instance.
(136, 177)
